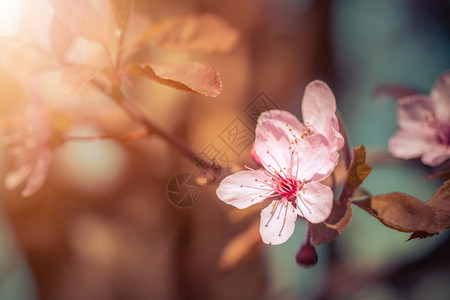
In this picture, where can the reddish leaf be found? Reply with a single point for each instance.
(440, 203)
(357, 172)
(241, 247)
(327, 231)
(191, 77)
(401, 212)
(420, 235)
(203, 33)
(408, 214)
(91, 19)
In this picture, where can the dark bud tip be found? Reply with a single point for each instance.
(306, 256)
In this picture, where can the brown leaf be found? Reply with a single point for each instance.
(201, 33)
(420, 235)
(440, 203)
(327, 231)
(191, 77)
(401, 212)
(75, 76)
(357, 172)
(241, 247)
(93, 20)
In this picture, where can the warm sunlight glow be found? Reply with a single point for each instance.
(9, 17)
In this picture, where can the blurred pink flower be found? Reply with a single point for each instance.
(292, 164)
(27, 146)
(424, 125)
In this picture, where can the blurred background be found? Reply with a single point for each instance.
(103, 226)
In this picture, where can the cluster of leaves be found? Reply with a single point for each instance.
(97, 43)
(117, 35)
(395, 210)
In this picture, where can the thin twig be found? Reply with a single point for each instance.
(68, 138)
(137, 115)
(346, 153)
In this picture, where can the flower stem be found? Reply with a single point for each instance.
(346, 152)
(132, 136)
(86, 138)
(137, 115)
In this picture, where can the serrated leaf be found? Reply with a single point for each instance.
(401, 212)
(357, 172)
(420, 235)
(327, 231)
(191, 77)
(241, 247)
(199, 33)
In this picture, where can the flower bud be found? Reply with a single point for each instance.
(307, 255)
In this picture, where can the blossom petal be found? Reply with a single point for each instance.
(244, 188)
(317, 104)
(332, 133)
(440, 95)
(436, 154)
(314, 202)
(284, 120)
(39, 173)
(277, 222)
(273, 147)
(407, 144)
(327, 169)
(416, 113)
(313, 156)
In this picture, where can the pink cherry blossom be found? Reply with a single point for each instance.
(424, 125)
(291, 163)
(28, 149)
(319, 116)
